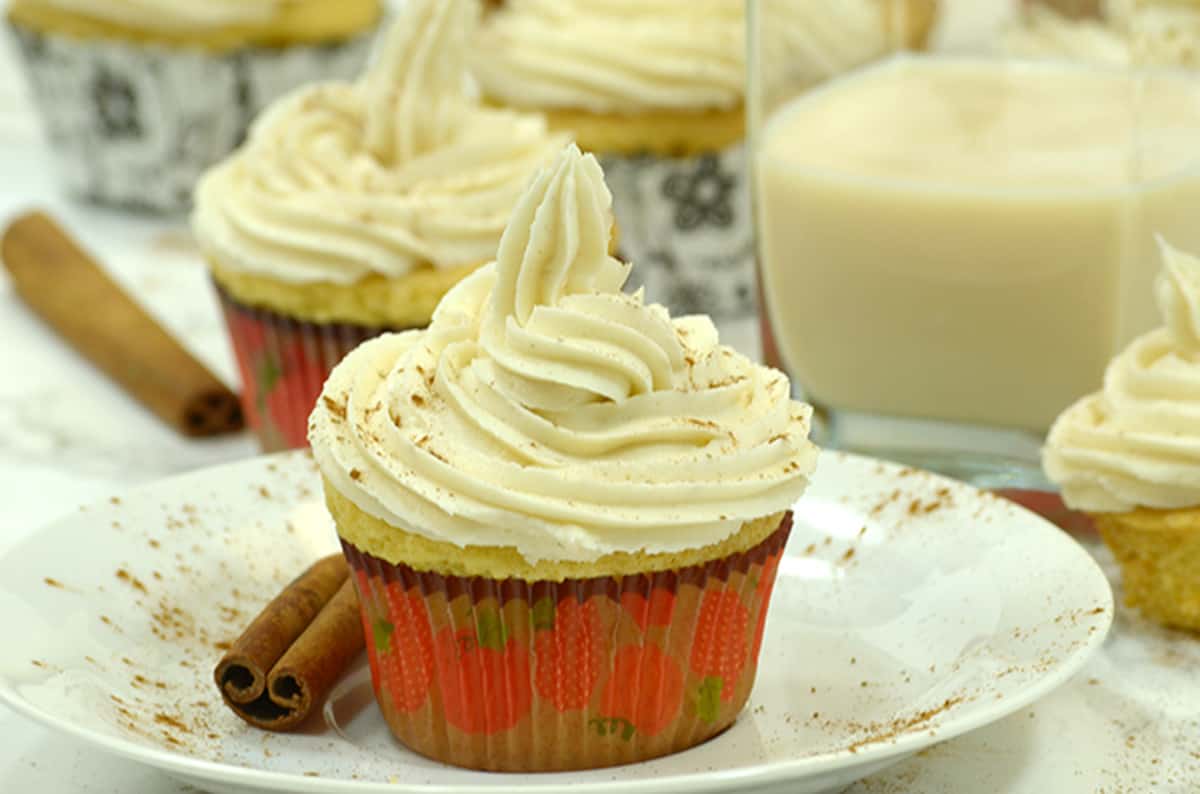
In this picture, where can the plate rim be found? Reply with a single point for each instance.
(765, 774)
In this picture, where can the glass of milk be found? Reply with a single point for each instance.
(952, 243)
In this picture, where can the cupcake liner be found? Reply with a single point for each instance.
(509, 675)
(283, 363)
(136, 125)
(686, 222)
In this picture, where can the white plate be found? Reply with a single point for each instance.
(909, 609)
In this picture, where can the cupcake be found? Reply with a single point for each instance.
(656, 91)
(138, 97)
(353, 207)
(1129, 456)
(563, 509)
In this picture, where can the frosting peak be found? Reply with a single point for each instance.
(1137, 442)
(557, 241)
(546, 410)
(1178, 293)
(557, 308)
(414, 93)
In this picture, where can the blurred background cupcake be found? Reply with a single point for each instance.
(353, 207)
(1129, 454)
(1116, 32)
(656, 90)
(138, 97)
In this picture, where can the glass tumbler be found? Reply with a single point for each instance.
(957, 215)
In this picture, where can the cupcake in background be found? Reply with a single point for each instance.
(655, 90)
(353, 207)
(138, 97)
(1129, 455)
(564, 510)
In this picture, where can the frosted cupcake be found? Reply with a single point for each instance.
(353, 207)
(140, 96)
(1130, 455)
(564, 510)
(655, 89)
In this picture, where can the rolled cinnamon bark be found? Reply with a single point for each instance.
(74, 295)
(292, 654)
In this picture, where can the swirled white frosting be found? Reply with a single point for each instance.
(401, 169)
(174, 14)
(627, 56)
(1044, 33)
(546, 410)
(809, 42)
(1162, 34)
(1136, 443)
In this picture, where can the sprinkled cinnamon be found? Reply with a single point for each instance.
(173, 722)
(131, 580)
(901, 725)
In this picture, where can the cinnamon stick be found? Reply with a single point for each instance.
(74, 295)
(292, 654)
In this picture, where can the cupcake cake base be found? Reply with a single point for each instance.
(1159, 555)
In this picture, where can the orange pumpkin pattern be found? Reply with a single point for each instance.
(626, 659)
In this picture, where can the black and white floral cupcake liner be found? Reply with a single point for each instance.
(686, 222)
(136, 125)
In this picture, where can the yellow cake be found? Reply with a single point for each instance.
(250, 23)
(396, 546)
(1159, 554)
(404, 302)
(1129, 455)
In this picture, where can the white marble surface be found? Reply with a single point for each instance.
(68, 437)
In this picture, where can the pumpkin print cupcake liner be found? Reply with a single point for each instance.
(283, 363)
(135, 125)
(686, 222)
(509, 675)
